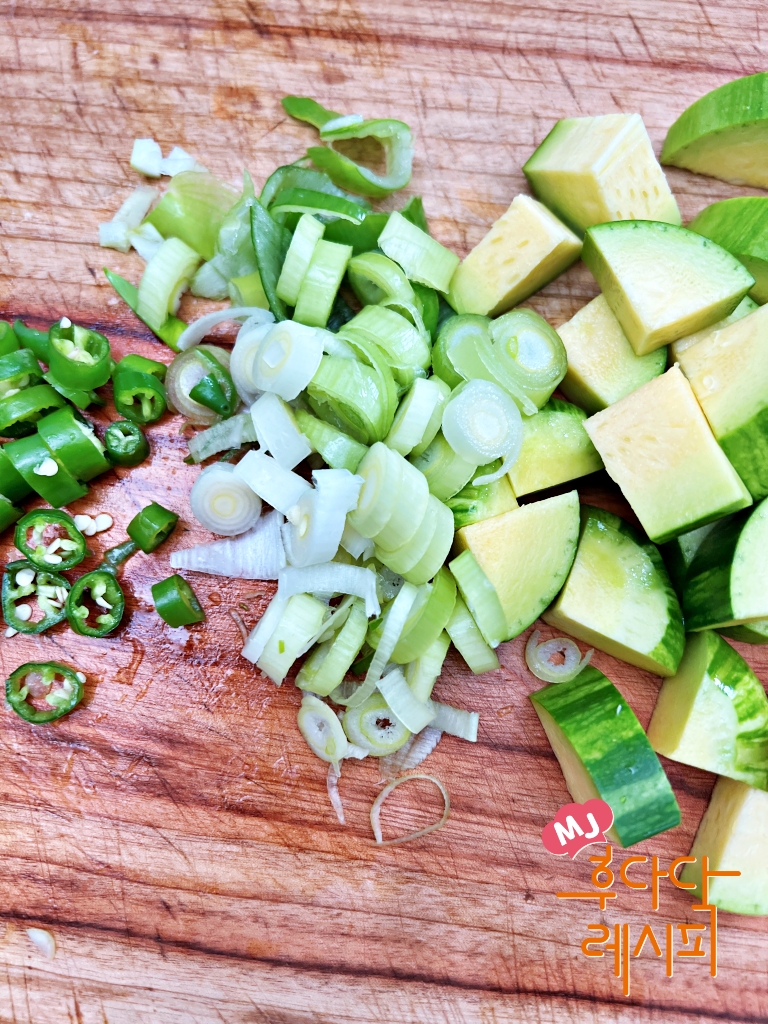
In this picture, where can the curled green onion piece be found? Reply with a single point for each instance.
(374, 277)
(339, 450)
(303, 200)
(372, 726)
(407, 350)
(446, 472)
(422, 257)
(321, 729)
(482, 423)
(321, 282)
(379, 801)
(329, 662)
(355, 396)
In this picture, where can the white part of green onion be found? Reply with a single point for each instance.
(278, 432)
(249, 338)
(256, 554)
(335, 620)
(382, 471)
(330, 661)
(265, 627)
(165, 277)
(146, 157)
(279, 487)
(332, 785)
(415, 415)
(221, 437)
(316, 522)
(321, 283)
(354, 542)
(414, 714)
(538, 658)
(208, 283)
(146, 240)
(308, 233)
(331, 578)
(179, 160)
(379, 801)
(43, 940)
(373, 727)
(114, 235)
(482, 423)
(299, 622)
(333, 345)
(287, 359)
(411, 754)
(198, 329)
(421, 256)
(222, 502)
(422, 674)
(455, 722)
(321, 729)
(468, 640)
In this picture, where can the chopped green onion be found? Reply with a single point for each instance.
(421, 257)
(538, 658)
(316, 523)
(382, 472)
(249, 339)
(146, 157)
(331, 578)
(115, 233)
(378, 802)
(166, 275)
(374, 278)
(278, 432)
(468, 640)
(248, 291)
(530, 352)
(187, 370)
(419, 412)
(308, 233)
(146, 240)
(231, 433)
(372, 725)
(330, 661)
(301, 619)
(352, 396)
(209, 283)
(324, 274)
(286, 359)
(270, 244)
(428, 618)
(446, 472)
(481, 423)
(193, 211)
(418, 560)
(480, 597)
(303, 200)
(169, 332)
(409, 509)
(454, 721)
(422, 673)
(255, 555)
(179, 160)
(414, 715)
(338, 450)
(321, 729)
(222, 501)
(407, 350)
(278, 487)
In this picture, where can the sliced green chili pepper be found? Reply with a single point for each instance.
(139, 396)
(362, 664)
(82, 399)
(54, 540)
(175, 602)
(151, 527)
(18, 370)
(22, 579)
(73, 441)
(8, 340)
(106, 593)
(19, 413)
(430, 306)
(301, 175)
(44, 472)
(117, 555)
(8, 513)
(172, 329)
(13, 486)
(126, 444)
(142, 365)
(216, 390)
(414, 212)
(28, 337)
(79, 357)
(38, 680)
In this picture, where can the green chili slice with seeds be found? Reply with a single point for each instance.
(49, 539)
(57, 686)
(99, 588)
(22, 579)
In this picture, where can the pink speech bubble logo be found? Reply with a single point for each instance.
(576, 826)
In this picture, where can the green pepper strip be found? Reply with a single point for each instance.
(13, 486)
(139, 396)
(117, 555)
(72, 440)
(62, 697)
(18, 370)
(47, 587)
(82, 399)
(8, 340)
(151, 527)
(29, 456)
(19, 413)
(142, 365)
(106, 592)
(172, 329)
(38, 341)
(216, 390)
(44, 552)
(125, 443)
(79, 357)
(8, 513)
(175, 602)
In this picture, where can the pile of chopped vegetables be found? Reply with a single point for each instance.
(392, 403)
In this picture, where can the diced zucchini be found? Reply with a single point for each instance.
(555, 448)
(740, 225)
(744, 308)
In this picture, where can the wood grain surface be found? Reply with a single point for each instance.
(174, 833)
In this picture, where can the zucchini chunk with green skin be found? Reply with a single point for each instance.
(749, 633)
(604, 753)
(555, 448)
(713, 714)
(728, 372)
(525, 249)
(679, 552)
(618, 596)
(602, 365)
(733, 834)
(740, 225)
(473, 504)
(526, 554)
(663, 281)
(590, 170)
(658, 447)
(725, 133)
(725, 585)
(744, 308)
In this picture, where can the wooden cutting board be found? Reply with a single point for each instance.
(174, 833)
